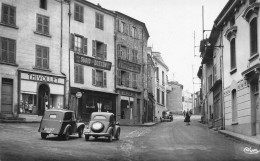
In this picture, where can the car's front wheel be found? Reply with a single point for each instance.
(43, 135)
(117, 137)
(110, 137)
(67, 135)
(86, 137)
(80, 132)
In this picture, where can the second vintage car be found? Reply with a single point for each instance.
(60, 122)
(102, 124)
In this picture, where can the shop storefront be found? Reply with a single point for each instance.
(93, 101)
(40, 91)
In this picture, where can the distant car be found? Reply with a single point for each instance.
(167, 116)
(60, 122)
(102, 124)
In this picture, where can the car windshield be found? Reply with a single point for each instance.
(99, 117)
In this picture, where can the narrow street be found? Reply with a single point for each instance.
(161, 142)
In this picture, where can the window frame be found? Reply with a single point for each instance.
(80, 17)
(36, 57)
(233, 53)
(8, 51)
(45, 5)
(81, 45)
(2, 15)
(42, 25)
(99, 21)
(79, 76)
(253, 34)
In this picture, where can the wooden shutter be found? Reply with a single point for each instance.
(119, 79)
(76, 12)
(81, 74)
(72, 39)
(130, 79)
(81, 13)
(130, 30)
(127, 79)
(127, 53)
(76, 74)
(93, 77)
(12, 49)
(45, 57)
(105, 51)
(126, 29)
(119, 51)
(38, 56)
(104, 79)
(93, 48)
(119, 25)
(85, 46)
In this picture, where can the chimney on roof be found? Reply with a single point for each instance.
(99, 5)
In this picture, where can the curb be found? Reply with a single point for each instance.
(240, 137)
(18, 121)
(140, 125)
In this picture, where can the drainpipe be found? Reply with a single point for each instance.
(69, 14)
(142, 111)
(115, 70)
(222, 73)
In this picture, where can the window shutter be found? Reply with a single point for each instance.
(119, 51)
(81, 74)
(93, 48)
(127, 29)
(12, 49)
(127, 79)
(76, 73)
(130, 30)
(105, 51)
(130, 80)
(85, 48)
(119, 77)
(127, 53)
(81, 15)
(119, 25)
(93, 77)
(104, 79)
(72, 39)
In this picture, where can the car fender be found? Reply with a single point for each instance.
(80, 125)
(66, 128)
(109, 130)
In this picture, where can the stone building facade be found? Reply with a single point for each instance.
(174, 97)
(131, 38)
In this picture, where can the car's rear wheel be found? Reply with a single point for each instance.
(43, 135)
(67, 135)
(110, 137)
(86, 137)
(117, 137)
(80, 132)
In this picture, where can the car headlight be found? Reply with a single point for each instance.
(97, 127)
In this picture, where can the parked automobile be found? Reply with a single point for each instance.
(167, 116)
(102, 124)
(60, 122)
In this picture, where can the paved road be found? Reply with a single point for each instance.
(162, 142)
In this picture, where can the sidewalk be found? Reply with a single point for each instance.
(247, 139)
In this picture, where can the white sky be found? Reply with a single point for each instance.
(171, 25)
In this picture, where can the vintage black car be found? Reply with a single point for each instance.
(60, 122)
(167, 116)
(102, 124)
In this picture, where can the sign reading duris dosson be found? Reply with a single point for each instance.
(122, 64)
(89, 61)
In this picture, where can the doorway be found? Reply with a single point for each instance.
(7, 96)
(43, 97)
(255, 111)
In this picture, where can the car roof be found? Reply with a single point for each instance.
(102, 113)
(59, 110)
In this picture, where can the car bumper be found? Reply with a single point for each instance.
(96, 134)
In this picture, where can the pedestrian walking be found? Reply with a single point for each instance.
(187, 117)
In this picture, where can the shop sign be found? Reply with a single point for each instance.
(42, 78)
(129, 66)
(89, 61)
(78, 94)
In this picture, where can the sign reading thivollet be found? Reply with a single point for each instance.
(42, 78)
(89, 61)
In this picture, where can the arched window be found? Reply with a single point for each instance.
(233, 53)
(253, 36)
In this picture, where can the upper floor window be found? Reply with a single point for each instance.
(43, 4)
(214, 73)
(8, 15)
(209, 82)
(157, 74)
(134, 32)
(135, 56)
(99, 21)
(99, 50)
(158, 95)
(79, 44)
(134, 80)
(123, 27)
(42, 24)
(78, 13)
(99, 78)
(78, 73)
(7, 50)
(162, 97)
(233, 53)
(42, 57)
(253, 36)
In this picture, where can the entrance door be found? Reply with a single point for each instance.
(255, 106)
(7, 96)
(43, 98)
